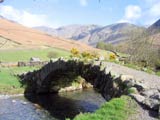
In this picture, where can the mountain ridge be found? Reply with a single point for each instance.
(92, 34)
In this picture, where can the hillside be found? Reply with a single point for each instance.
(154, 32)
(91, 34)
(14, 35)
(154, 28)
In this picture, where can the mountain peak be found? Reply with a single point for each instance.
(154, 28)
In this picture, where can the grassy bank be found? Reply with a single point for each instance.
(9, 82)
(25, 54)
(116, 109)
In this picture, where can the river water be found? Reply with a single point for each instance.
(50, 107)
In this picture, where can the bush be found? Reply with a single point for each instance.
(52, 54)
(112, 56)
(86, 55)
(75, 52)
(105, 46)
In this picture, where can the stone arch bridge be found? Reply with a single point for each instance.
(40, 81)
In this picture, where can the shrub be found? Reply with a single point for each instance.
(95, 55)
(75, 52)
(105, 46)
(86, 55)
(52, 54)
(112, 56)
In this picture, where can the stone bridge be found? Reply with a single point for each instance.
(40, 81)
(109, 85)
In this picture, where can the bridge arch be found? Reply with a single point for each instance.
(40, 81)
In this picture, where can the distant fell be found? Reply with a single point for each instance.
(92, 34)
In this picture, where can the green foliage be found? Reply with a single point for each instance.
(75, 52)
(157, 64)
(86, 55)
(105, 46)
(66, 79)
(101, 45)
(116, 109)
(112, 56)
(131, 90)
(158, 73)
(52, 54)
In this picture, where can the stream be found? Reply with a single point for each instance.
(50, 107)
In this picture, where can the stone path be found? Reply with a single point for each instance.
(151, 81)
(152, 84)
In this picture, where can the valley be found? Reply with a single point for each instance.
(78, 71)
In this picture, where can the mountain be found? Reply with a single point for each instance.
(92, 34)
(154, 33)
(154, 28)
(14, 35)
(74, 32)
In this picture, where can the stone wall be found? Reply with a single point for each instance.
(95, 73)
(22, 64)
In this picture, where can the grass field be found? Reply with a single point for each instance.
(116, 109)
(9, 82)
(25, 54)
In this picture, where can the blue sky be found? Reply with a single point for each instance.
(55, 13)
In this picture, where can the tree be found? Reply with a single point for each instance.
(101, 45)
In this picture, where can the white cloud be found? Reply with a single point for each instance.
(24, 17)
(146, 14)
(153, 12)
(155, 9)
(132, 13)
(83, 2)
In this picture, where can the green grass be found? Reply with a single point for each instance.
(116, 109)
(9, 82)
(158, 73)
(26, 54)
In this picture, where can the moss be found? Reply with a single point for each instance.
(158, 73)
(132, 90)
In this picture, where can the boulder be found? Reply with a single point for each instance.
(138, 98)
(34, 59)
(159, 112)
(140, 86)
(152, 103)
(152, 92)
(129, 83)
(126, 77)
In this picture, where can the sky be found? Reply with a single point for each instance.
(56, 13)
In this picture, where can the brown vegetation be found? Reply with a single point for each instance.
(28, 38)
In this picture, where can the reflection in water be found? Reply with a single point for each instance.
(58, 106)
